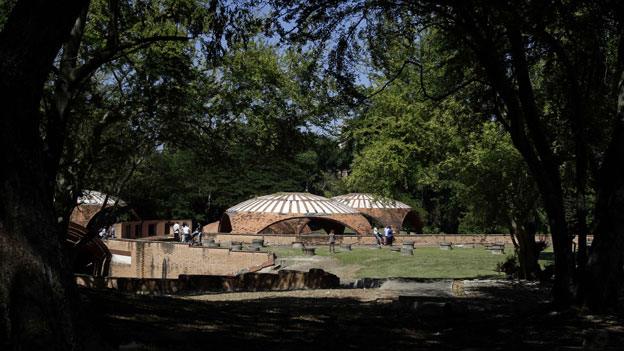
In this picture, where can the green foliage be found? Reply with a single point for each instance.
(498, 191)
(255, 137)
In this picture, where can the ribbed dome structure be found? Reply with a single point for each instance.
(383, 211)
(292, 203)
(292, 213)
(89, 204)
(360, 200)
(91, 197)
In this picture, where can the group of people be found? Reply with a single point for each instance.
(387, 238)
(107, 233)
(187, 236)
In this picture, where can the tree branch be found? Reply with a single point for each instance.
(107, 55)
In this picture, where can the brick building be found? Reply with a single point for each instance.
(158, 228)
(383, 211)
(292, 213)
(90, 204)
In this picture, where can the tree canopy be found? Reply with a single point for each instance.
(485, 116)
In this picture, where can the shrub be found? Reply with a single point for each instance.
(510, 266)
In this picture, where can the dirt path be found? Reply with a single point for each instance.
(346, 273)
(362, 295)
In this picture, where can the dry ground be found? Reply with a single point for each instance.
(400, 315)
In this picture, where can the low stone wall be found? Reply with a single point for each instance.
(153, 259)
(197, 284)
(418, 239)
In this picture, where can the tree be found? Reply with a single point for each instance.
(39, 303)
(110, 50)
(498, 190)
(260, 119)
(401, 144)
(514, 51)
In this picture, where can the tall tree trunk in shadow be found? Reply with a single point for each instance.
(604, 273)
(38, 299)
(528, 252)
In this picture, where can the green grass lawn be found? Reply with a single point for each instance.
(427, 262)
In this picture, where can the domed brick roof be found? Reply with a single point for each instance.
(91, 197)
(368, 201)
(292, 203)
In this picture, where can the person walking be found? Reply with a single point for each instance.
(186, 233)
(377, 236)
(389, 236)
(385, 235)
(332, 241)
(176, 231)
(196, 236)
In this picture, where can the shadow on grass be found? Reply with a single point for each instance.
(508, 316)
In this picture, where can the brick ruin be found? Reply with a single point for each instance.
(146, 259)
(166, 260)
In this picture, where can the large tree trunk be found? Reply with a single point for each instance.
(38, 300)
(528, 253)
(605, 272)
(527, 132)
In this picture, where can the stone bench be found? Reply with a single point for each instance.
(236, 246)
(297, 245)
(407, 245)
(210, 243)
(446, 246)
(309, 251)
(497, 249)
(257, 243)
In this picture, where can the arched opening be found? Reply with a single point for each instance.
(89, 254)
(412, 223)
(308, 225)
(225, 226)
(374, 222)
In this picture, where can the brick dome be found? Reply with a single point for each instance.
(292, 203)
(360, 200)
(383, 211)
(89, 204)
(292, 213)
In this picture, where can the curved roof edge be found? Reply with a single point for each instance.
(92, 197)
(288, 203)
(365, 200)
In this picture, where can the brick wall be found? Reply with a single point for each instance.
(387, 216)
(148, 228)
(283, 280)
(82, 214)
(148, 259)
(253, 222)
(419, 239)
